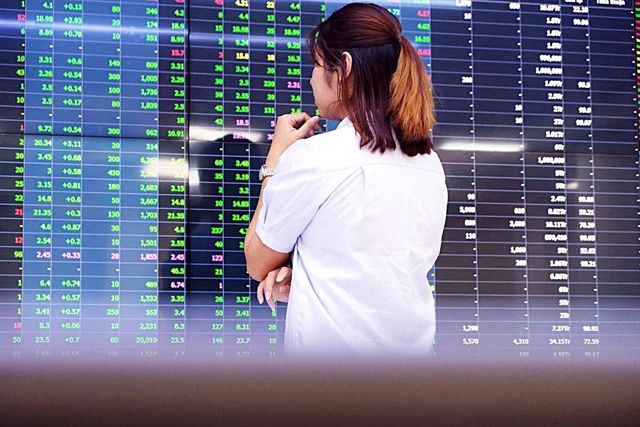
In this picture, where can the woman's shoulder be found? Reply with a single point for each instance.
(344, 133)
(327, 145)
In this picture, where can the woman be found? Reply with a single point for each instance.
(360, 210)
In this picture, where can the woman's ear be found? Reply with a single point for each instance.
(348, 60)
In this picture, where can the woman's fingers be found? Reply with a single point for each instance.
(260, 291)
(269, 281)
(281, 293)
(275, 286)
(283, 273)
(292, 127)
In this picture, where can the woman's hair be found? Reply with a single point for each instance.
(388, 91)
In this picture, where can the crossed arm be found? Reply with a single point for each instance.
(263, 263)
(266, 265)
(261, 259)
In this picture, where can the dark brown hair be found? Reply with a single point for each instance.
(388, 91)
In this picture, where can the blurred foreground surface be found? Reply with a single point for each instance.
(320, 392)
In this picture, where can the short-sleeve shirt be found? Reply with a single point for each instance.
(365, 228)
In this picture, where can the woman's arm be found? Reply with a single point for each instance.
(261, 259)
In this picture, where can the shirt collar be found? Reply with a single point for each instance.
(345, 122)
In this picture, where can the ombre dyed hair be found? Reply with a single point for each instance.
(388, 92)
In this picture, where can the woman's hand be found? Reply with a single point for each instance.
(275, 286)
(289, 129)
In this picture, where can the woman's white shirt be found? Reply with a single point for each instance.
(365, 229)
